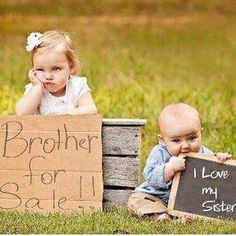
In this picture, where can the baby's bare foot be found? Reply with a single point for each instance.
(184, 219)
(161, 217)
(187, 219)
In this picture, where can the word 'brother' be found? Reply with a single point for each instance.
(58, 140)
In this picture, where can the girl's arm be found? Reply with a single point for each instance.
(29, 103)
(85, 105)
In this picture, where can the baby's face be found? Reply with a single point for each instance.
(53, 70)
(181, 135)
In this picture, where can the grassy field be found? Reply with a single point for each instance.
(138, 56)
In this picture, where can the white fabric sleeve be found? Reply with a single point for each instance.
(28, 87)
(80, 87)
(205, 150)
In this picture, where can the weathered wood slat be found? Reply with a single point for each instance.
(119, 171)
(121, 141)
(116, 198)
(124, 122)
(118, 140)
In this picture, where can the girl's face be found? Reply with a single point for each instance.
(53, 70)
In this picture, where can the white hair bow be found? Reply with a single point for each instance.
(33, 41)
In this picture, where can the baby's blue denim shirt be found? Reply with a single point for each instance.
(154, 172)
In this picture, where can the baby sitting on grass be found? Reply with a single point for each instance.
(180, 133)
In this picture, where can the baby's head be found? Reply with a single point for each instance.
(52, 42)
(180, 129)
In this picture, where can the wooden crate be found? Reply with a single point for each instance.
(121, 142)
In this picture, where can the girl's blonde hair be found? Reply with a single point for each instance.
(55, 40)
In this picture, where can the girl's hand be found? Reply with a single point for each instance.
(223, 156)
(34, 79)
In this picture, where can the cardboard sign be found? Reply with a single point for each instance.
(206, 188)
(51, 163)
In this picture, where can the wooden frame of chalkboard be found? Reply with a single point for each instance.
(206, 189)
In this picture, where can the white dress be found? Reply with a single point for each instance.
(75, 88)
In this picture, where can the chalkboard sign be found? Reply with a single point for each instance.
(206, 188)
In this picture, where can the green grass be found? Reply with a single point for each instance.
(112, 222)
(138, 56)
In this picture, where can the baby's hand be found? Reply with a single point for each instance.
(223, 156)
(177, 163)
(34, 79)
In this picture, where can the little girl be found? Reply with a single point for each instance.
(54, 89)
